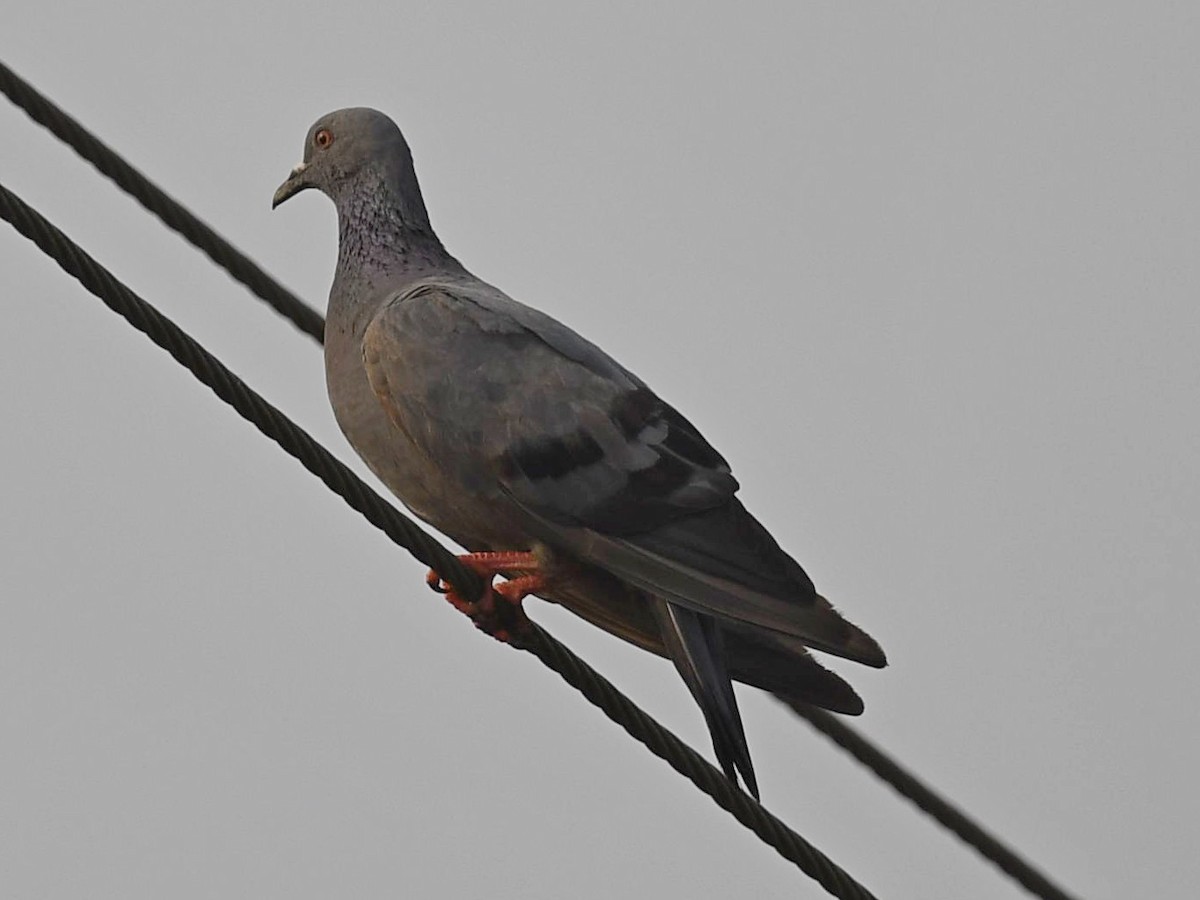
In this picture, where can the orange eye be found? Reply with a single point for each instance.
(323, 138)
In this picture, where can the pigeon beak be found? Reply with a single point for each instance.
(296, 182)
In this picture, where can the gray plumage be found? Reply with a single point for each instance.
(505, 430)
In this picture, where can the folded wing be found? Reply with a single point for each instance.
(595, 462)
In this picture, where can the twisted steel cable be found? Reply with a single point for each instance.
(930, 802)
(109, 163)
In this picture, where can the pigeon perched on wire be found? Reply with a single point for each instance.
(555, 466)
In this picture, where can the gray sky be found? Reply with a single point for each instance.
(927, 277)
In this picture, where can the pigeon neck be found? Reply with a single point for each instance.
(385, 235)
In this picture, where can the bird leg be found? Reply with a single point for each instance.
(505, 620)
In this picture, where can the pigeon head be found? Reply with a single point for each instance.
(358, 156)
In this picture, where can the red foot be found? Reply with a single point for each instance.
(505, 621)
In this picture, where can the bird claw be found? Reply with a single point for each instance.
(498, 612)
(495, 614)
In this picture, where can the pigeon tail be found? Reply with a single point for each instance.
(695, 644)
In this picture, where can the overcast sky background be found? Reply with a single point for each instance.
(927, 276)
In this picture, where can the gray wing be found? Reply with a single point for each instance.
(517, 404)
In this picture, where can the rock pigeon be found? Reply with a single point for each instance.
(554, 465)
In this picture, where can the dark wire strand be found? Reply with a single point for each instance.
(252, 407)
(403, 531)
(107, 161)
(927, 799)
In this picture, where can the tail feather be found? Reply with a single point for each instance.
(784, 667)
(695, 644)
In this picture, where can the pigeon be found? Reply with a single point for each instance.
(552, 464)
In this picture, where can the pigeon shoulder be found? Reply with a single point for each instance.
(445, 306)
